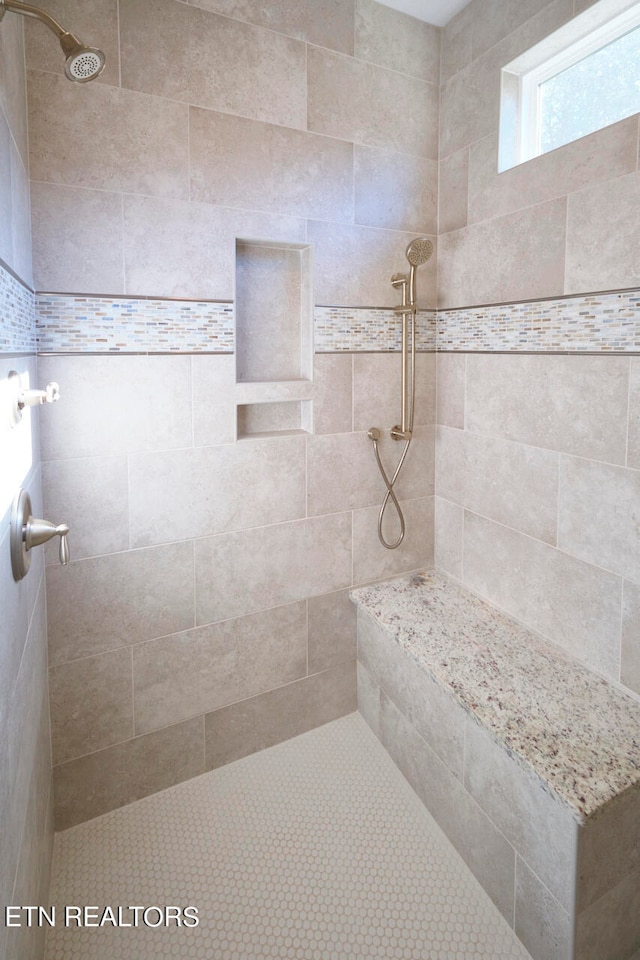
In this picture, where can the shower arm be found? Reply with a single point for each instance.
(26, 10)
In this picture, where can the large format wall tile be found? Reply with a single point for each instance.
(600, 156)
(92, 785)
(325, 22)
(275, 565)
(218, 63)
(391, 39)
(77, 239)
(572, 603)
(191, 249)
(259, 722)
(630, 653)
(448, 537)
(243, 163)
(372, 561)
(377, 395)
(116, 405)
(395, 190)
(209, 490)
(333, 391)
(516, 485)
(591, 263)
(108, 602)
(571, 404)
(515, 257)
(633, 438)
(112, 139)
(91, 704)
(332, 631)
(196, 672)
(598, 515)
(359, 101)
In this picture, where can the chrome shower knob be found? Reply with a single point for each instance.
(28, 532)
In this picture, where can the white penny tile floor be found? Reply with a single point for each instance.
(314, 849)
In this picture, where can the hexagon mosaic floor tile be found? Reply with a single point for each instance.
(315, 849)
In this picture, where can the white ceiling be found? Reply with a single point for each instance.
(438, 12)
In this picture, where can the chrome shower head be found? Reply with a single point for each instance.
(419, 251)
(82, 63)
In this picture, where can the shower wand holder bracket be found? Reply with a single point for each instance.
(397, 433)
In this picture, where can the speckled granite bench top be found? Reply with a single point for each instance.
(579, 733)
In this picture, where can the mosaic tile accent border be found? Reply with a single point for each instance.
(356, 329)
(71, 324)
(17, 315)
(595, 323)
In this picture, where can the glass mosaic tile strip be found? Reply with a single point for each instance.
(17, 315)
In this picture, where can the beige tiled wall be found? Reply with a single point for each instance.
(538, 494)
(565, 222)
(26, 796)
(205, 610)
(209, 577)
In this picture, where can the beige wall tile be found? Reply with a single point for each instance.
(332, 630)
(516, 485)
(448, 537)
(91, 704)
(480, 844)
(92, 497)
(207, 668)
(377, 390)
(343, 474)
(630, 653)
(95, 22)
(456, 43)
(541, 923)
(353, 265)
(332, 393)
(257, 482)
(598, 515)
(592, 264)
(21, 218)
(516, 257)
(395, 190)
(77, 239)
(469, 105)
(329, 23)
(539, 827)
(214, 410)
(372, 561)
(90, 786)
(260, 722)
(451, 376)
(6, 194)
(108, 602)
(358, 101)
(571, 602)
(609, 849)
(493, 21)
(571, 404)
(219, 63)
(369, 697)
(609, 928)
(453, 191)
(116, 405)
(259, 166)
(397, 41)
(633, 437)
(276, 565)
(111, 139)
(13, 87)
(425, 703)
(179, 249)
(600, 156)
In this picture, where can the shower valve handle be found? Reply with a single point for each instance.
(31, 398)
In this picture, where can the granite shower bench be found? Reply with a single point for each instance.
(528, 761)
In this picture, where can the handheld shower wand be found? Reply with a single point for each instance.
(82, 63)
(418, 252)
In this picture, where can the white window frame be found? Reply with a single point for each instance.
(598, 26)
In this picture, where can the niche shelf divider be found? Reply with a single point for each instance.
(274, 338)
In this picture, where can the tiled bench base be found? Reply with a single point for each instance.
(529, 762)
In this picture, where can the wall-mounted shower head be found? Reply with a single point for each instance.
(82, 63)
(418, 252)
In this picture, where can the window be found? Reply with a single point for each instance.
(580, 79)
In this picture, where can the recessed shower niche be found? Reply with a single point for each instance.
(274, 336)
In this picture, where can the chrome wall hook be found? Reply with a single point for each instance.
(28, 532)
